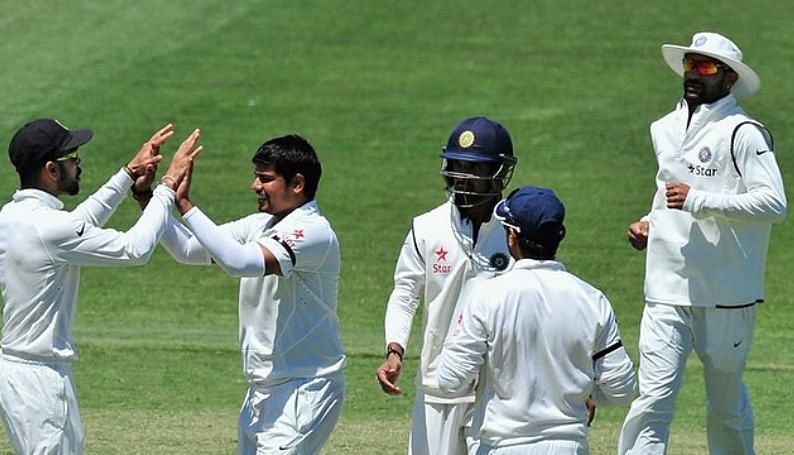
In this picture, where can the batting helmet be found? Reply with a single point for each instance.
(477, 140)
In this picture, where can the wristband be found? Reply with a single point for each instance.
(129, 172)
(166, 178)
(394, 351)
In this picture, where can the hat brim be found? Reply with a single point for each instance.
(77, 139)
(747, 84)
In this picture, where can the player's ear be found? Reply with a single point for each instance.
(51, 170)
(512, 238)
(730, 79)
(298, 183)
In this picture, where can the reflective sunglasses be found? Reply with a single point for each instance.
(73, 155)
(703, 67)
(509, 219)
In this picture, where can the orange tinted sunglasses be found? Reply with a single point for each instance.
(704, 68)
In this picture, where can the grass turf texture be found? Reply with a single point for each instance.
(377, 89)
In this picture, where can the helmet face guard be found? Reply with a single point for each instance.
(469, 188)
(478, 161)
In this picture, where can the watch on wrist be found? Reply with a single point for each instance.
(144, 195)
(391, 351)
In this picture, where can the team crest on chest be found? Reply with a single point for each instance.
(499, 261)
(704, 155)
(441, 266)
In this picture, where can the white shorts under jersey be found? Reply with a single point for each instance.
(42, 248)
(437, 258)
(541, 341)
(722, 234)
(289, 327)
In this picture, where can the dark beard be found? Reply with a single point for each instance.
(67, 184)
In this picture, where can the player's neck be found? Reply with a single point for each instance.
(479, 213)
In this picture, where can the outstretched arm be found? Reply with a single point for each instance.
(99, 207)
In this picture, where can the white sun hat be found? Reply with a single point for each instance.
(718, 47)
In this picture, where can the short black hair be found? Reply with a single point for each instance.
(543, 246)
(29, 177)
(291, 155)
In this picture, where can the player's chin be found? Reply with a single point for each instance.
(263, 205)
(73, 190)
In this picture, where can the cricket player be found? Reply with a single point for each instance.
(719, 190)
(42, 248)
(287, 258)
(446, 247)
(541, 340)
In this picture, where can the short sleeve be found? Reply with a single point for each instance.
(300, 247)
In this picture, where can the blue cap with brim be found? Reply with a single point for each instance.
(535, 213)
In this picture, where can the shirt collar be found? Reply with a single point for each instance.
(464, 224)
(42, 197)
(532, 264)
(298, 212)
(707, 111)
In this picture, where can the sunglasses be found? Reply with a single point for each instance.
(509, 220)
(704, 68)
(73, 155)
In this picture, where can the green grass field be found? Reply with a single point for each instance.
(377, 88)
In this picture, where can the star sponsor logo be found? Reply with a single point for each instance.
(291, 239)
(439, 267)
(702, 171)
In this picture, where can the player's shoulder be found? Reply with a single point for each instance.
(308, 225)
(57, 225)
(256, 219)
(434, 219)
(593, 297)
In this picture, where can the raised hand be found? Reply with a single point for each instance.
(148, 157)
(183, 159)
(183, 202)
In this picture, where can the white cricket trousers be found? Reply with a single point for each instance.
(537, 448)
(292, 418)
(441, 429)
(721, 338)
(39, 406)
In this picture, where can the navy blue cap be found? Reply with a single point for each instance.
(536, 213)
(44, 140)
(478, 139)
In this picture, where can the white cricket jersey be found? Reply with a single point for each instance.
(289, 327)
(42, 248)
(713, 252)
(437, 258)
(541, 341)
